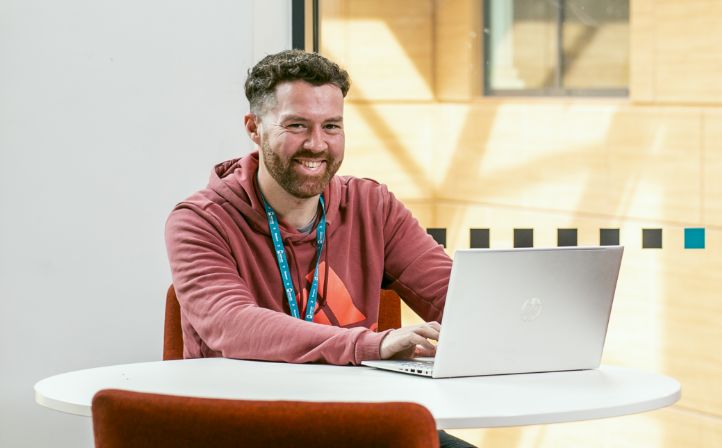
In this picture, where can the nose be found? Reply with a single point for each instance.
(315, 140)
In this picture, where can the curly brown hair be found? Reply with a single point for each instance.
(290, 65)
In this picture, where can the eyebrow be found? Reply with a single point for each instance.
(300, 118)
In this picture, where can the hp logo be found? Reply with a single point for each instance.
(531, 309)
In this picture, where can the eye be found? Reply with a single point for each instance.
(332, 127)
(295, 127)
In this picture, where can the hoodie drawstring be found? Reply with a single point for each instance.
(325, 273)
(325, 255)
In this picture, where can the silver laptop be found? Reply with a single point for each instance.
(522, 311)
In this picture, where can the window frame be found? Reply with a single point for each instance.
(305, 25)
(555, 91)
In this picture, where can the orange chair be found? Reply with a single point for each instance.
(172, 331)
(124, 419)
(389, 317)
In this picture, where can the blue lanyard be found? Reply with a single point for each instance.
(283, 263)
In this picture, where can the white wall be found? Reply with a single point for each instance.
(110, 113)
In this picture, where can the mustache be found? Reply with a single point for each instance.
(307, 154)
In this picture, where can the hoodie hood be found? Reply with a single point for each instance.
(236, 181)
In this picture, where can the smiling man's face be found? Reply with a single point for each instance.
(302, 138)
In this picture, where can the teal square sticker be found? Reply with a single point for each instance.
(694, 238)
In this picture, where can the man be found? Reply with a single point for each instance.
(278, 259)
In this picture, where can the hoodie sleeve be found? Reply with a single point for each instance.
(417, 266)
(219, 306)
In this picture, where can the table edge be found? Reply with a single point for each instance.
(561, 417)
(447, 423)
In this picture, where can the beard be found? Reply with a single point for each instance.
(299, 185)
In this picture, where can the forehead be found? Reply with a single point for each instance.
(302, 99)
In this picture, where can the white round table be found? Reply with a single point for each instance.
(473, 402)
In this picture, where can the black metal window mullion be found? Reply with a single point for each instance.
(559, 76)
(316, 27)
(298, 24)
(486, 44)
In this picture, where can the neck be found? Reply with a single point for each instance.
(293, 211)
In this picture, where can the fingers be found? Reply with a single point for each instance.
(415, 346)
(421, 352)
(420, 341)
(414, 340)
(428, 331)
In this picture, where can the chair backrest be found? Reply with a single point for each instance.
(389, 310)
(172, 331)
(389, 317)
(124, 419)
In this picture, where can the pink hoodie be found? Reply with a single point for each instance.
(228, 283)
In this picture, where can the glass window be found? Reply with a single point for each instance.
(556, 47)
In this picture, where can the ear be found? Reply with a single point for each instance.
(252, 123)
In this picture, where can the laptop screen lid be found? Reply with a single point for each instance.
(527, 310)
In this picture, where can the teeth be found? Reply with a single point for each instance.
(311, 165)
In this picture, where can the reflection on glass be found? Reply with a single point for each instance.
(523, 44)
(596, 43)
(551, 46)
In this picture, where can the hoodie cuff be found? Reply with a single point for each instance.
(368, 346)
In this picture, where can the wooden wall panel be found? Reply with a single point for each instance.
(712, 166)
(642, 61)
(688, 57)
(422, 210)
(386, 46)
(459, 135)
(589, 158)
(654, 160)
(457, 49)
(391, 143)
(601, 55)
(522, 153)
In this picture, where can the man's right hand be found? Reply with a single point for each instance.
(411, 342)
